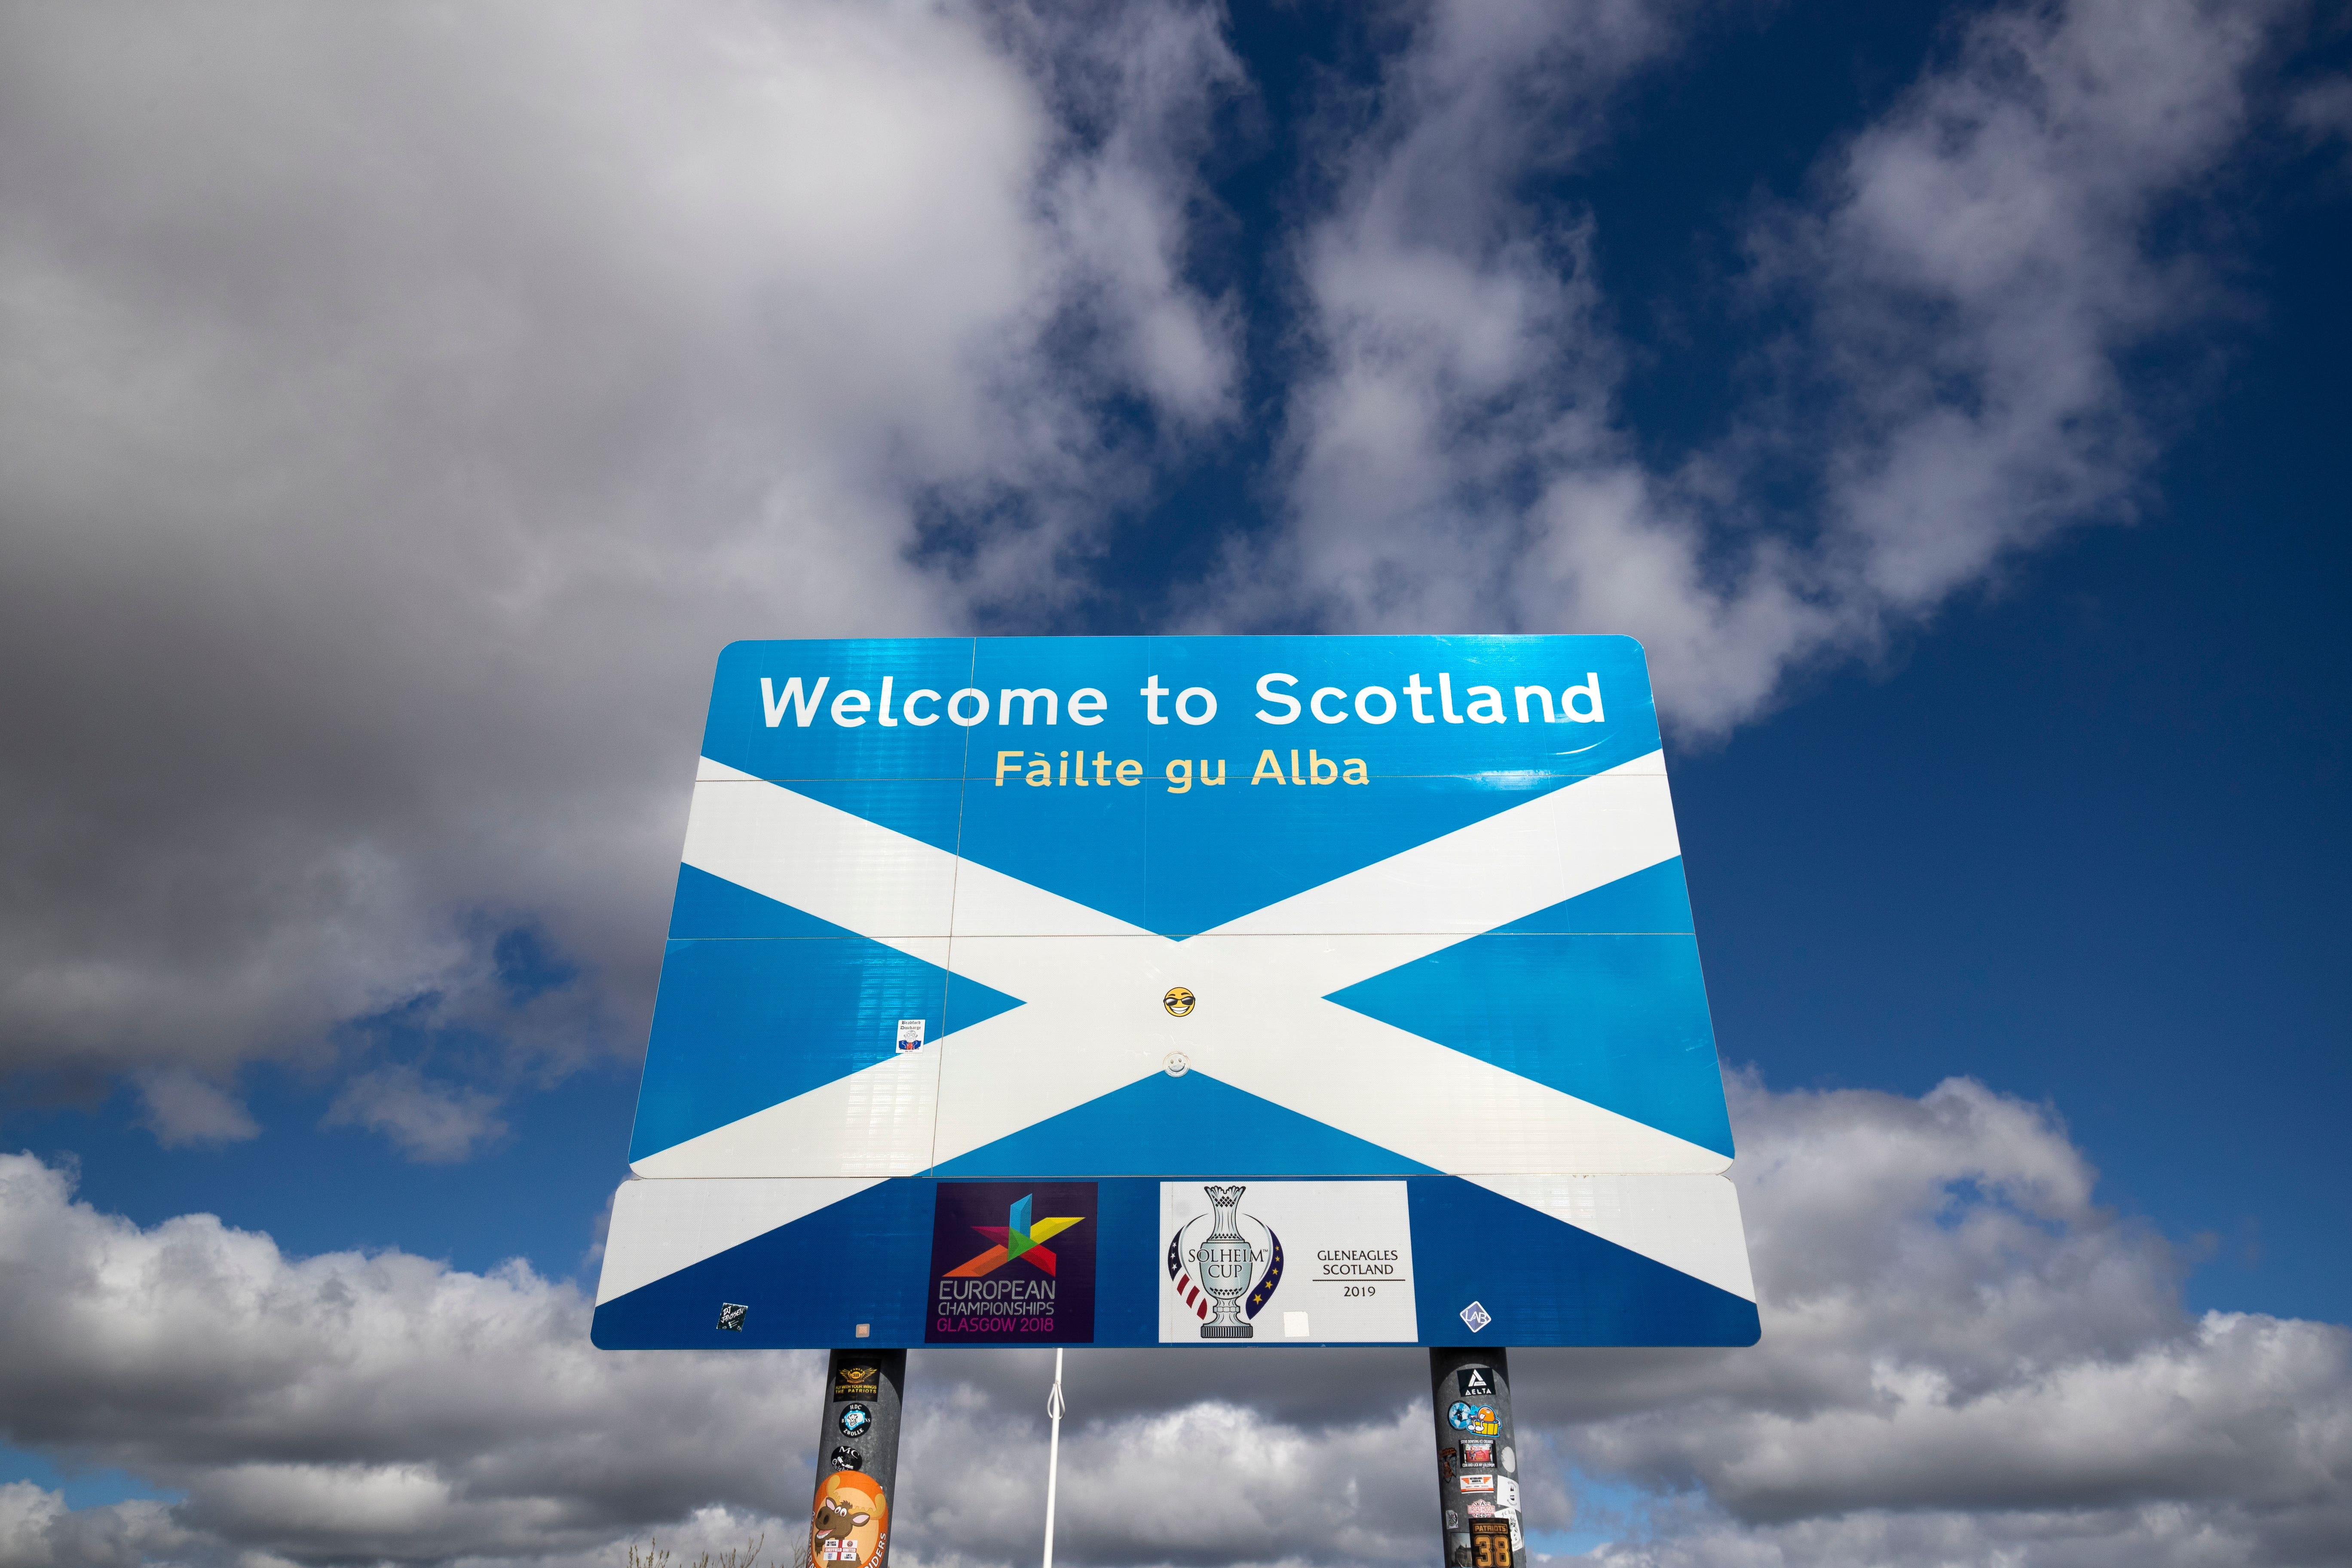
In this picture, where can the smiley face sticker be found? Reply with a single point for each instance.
(1177, 1001)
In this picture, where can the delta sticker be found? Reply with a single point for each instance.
(1475, 1382)
(1013, 1263)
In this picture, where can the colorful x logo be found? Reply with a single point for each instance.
(1019, 1237)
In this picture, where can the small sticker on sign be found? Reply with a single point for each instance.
(1476, 1317)
(1510, 1460)
(910, 1034)
(1492, 1543)
(730, 1316)
(1476, 1483)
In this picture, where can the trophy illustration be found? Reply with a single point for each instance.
(1225, 1262)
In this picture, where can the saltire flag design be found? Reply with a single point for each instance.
(1476, 967)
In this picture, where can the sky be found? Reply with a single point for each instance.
(400, 408)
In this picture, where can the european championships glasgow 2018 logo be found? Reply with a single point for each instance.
(1013, 1263)
(1228, 1272)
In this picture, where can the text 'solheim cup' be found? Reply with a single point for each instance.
(1225, 1262)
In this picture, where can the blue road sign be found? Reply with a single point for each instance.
(1219, 991)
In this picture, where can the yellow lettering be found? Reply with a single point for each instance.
(1356, 774)
(1179, 776)
(1218, 778)
(1040, 773)
(1129, 771)
(1268, 767)
(1315, 766)
(1003, 767)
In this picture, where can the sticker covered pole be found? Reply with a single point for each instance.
(1478, 1458)
(858, 1460)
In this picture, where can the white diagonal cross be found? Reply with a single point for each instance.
(1091, 984)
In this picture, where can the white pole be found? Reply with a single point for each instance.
(1053, 1453)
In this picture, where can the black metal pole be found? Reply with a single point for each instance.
(1478, 1458)
(856, 1460)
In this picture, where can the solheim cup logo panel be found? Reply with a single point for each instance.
(1012, 1264)
(1270, 1262)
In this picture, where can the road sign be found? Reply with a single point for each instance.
(996, 964)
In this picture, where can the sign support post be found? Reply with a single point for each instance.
(1053, 1452)
(857, 1459)
(1478, 1458)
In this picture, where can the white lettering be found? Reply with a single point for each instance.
(1029, 701)
(955, 706)
(1292, 702)
(849, 699)
(919, 694)
(1364, 707)
(1591, 691)
(1205, 695)
(1314, 704)
(1086, 706)
(804, 708)
(1524, 692)
(1152, 692)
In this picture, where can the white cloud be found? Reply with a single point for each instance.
(1961, 1346)
(401, 407)
(1965, 1359)
(1962, 290)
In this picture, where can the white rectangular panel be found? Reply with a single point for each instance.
(1338, 1255)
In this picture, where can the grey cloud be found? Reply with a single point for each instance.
(39, 1530)
(1963, 1356)
(1962, 285)
(434, 1123)
(184, 1109)
(401, 407)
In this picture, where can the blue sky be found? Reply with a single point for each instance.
(389, 479)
